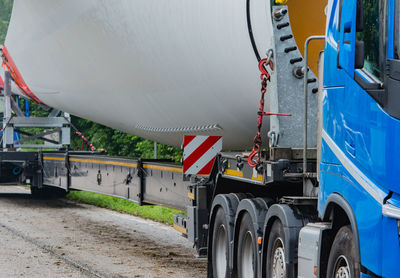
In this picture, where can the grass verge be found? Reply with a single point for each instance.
(156, 213)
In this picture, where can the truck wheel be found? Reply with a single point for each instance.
(342, 261)
(276, 265)
(247, 249)
(47, 192)
(220, 246)
(38, 193)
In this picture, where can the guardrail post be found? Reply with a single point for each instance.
(142, 176)
(68, 166)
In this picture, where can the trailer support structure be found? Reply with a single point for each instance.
(54, 130)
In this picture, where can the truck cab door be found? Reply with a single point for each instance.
(347, 42)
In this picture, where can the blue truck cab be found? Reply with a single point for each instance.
(360, 150)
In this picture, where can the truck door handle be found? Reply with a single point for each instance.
(350, 148)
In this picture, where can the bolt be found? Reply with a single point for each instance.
(279, 14)
(298, 72)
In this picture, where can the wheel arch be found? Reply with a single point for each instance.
(257, 209)
(229, 203)
(292, 221)
(339, 213)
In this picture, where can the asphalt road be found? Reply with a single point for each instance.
(62, 238)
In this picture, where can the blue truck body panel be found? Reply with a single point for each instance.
(360, 148)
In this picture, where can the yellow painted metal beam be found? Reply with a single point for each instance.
(180, 229)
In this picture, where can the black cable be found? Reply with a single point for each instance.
(249, 28)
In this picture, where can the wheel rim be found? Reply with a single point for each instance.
(221, 251)
(246, 256)
(342, 268)
(278, 263)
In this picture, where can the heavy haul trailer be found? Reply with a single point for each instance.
(327, 205)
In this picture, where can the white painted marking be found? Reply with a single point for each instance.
(364, 181)
(193, 145)
(205, 158)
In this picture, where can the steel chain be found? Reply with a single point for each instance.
(254, 157)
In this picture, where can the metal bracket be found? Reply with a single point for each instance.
(14, 120)
(286, 96)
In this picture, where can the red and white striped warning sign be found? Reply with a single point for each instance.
(199, 153)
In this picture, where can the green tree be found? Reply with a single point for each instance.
(5, 14)
(118, 143)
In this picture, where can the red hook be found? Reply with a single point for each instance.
(253, 163)
(262, 66)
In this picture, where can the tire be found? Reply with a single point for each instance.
(342, 258)
(247, 252)
(47, 192)
(220, 246)
(58, 193)
(38, 193)
(275, 264)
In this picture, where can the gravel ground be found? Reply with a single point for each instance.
(61, 238)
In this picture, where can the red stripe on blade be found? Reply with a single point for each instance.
(18, 79)
(202, 149)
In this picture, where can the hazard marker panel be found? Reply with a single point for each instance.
(199, 153)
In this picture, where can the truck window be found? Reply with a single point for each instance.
(397, 31)
(373, 61)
